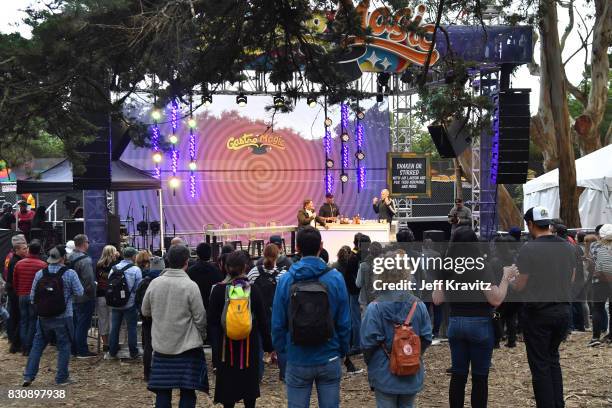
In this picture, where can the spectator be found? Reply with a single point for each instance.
(515, 233)
(204, 273)
(23, 276)
(365, 276)
(40, 216)
(391, 309)
(345, 265)
(132, 275)
(143, 261)
(109, 258)
(69, 247)
(156, 267)
(58, 327)
(24, 218)
(7, 218)
(174, 242)
(283, 261)
(470, 330)
(84, 305)
(20, 251)
(459, 216)
(269, 266)
(237, 361)
(320, 363)
(602, 284)
(544, 260)
(174, 303)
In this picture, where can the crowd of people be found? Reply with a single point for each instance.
(307, 316)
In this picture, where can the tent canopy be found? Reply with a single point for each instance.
(593, 173)
(59, 178)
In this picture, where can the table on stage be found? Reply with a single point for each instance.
(339, 235)
(213, 234)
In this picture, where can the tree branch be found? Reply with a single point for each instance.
(570, 24)
(577, 93)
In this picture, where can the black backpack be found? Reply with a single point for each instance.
(141, 290)
(266, 283)
(49, 298)
(310, 318)
(118, 292)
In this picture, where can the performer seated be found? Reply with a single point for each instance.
(329, 211)
(385, 207)
(307, 216)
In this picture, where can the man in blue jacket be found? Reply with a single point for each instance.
(321, 364)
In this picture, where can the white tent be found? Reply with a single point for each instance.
(594, 173)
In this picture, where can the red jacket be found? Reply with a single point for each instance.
(23, 276)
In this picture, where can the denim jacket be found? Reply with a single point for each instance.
(390, 308)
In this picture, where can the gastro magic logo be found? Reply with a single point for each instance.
(259, 143)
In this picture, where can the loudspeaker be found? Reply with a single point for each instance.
(451, 140)
(113, 229)
(510, 152)
(73, 228)
(97, 175)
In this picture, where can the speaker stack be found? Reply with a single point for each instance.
(450, 140)
(510, 147)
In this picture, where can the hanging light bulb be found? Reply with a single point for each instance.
(193, 166)
(156, 114)
(191, 123)
(157, 157)
(328, 122)
(174, 182)
(173, 139)
(241, 99)
(311, 101)
(207, 99)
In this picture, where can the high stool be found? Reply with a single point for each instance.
(255, 243)
(215, 247)
(235, 242)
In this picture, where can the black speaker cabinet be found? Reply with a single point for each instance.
(113, 225)
(73, 228)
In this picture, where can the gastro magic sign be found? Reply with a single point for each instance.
(260, 144)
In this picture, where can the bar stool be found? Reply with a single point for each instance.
(282, 235)
(215, 247)
(231, 240)
(255, 243)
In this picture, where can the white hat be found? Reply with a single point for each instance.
(70, 247)
(606, 231)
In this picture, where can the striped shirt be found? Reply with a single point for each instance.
(254, 273)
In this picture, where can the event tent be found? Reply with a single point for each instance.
(593, 173)
(59, 179)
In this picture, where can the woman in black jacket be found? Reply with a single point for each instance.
(237, 361)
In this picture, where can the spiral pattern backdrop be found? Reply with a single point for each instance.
(238, 185)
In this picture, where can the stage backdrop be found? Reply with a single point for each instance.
(237, 182)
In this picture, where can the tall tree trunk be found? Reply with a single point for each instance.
(587, 124)
(558, 105)
(507, 212)
(458, 182)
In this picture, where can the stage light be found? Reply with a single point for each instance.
(407, 77)
(360, 114)
(241, 99)
(345, 137)
(157, 157)
(173, 139)
(328, 122)
(311, 101)
(360, 155)
(156, 114)
(379, 98)
(329, 163)
(279, 100)
(192, 123)
(344, 177)
(207, 99)
(193, 166)
(174, 182)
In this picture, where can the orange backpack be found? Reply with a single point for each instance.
(405, 356)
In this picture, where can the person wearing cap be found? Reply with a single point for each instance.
(546, 267)
(7, 218)
(385, 207)
(24, 217)
(602, 284)
(329, 210)
(133, 276)
(61, 327)
(459, 215)
(283, 261)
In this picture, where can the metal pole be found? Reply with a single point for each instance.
(162, 232)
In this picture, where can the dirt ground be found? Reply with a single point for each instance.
(586, 372)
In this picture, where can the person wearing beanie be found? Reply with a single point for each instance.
(129, 312)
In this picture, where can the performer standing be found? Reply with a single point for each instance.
(329, 211)
(307, 216)
(459, 215)
(385, 207)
